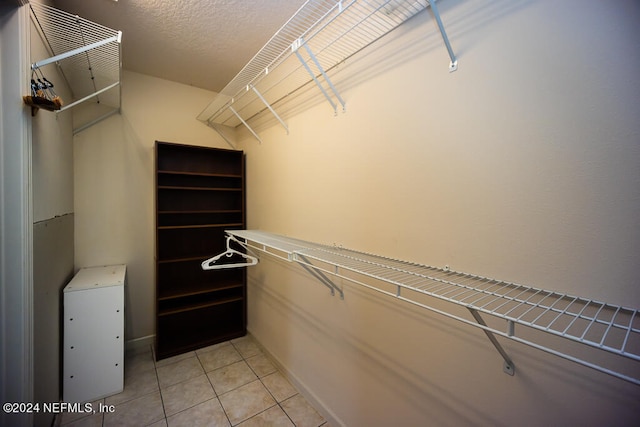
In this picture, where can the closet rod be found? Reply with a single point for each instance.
(80, 101)
(56, 58)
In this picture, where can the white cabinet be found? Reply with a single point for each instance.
(94, 334)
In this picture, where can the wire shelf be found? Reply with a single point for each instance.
(87, 54)
(607, 327)
(320, 35)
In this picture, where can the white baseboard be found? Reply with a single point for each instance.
(311, 397)
(139, 345)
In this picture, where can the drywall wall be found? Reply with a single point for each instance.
(53, 258)
(114, 183)
(16, 369)
(52, 201)
(523, 165)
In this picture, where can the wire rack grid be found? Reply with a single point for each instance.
(330, 32)
(608, 327)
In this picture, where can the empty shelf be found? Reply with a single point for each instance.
(319, 36)
(87, 55)
(607, 327)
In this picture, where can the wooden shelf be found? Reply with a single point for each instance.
(199, 306)
(198, 188)
(219, 175)
(201, 292)
(199, 194)
(175, 227)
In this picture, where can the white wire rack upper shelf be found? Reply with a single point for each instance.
(87, 54)
(320, 35)
(554, 317)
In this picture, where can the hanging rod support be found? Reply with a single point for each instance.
(508, 367)
(227, 140)
(453, 65)
(324, 92)
(73, 52)
(295, 47)
(318, 274)
(245, 123)
(315, 60)
(79, 101)
(270, 108)
(93, 122)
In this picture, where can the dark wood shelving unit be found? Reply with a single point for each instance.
(200, 193)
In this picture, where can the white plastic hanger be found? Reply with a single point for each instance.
(210, 263)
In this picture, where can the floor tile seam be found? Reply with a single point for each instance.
(138, 396)
(78, 419)
(261, 412)
(193, 406)
(246, 360)
(284, 410)
(151, 423)
(138, 372)
(221, 406)
(164, 411)
(215, 347)
(286, 413)
(213, 387)
(240, 386)
(253, 370)
(297, 393)
(265, 410)
(276, 370)
(165, 364)
(167, 416)
(218, 367)
(232, 389)
(166, 386)
(242, 355)
(279, 403)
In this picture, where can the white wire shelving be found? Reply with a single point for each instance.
(604, 328)
(319, 36)
(87, 54)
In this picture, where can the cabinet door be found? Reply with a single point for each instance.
(93, 343)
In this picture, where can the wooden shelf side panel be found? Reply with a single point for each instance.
(200, 193)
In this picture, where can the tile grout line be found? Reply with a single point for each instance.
(275, 399)
(155, 369)
(246, 352)
(244, 359)
(217, 396)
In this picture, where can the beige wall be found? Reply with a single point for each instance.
(52, 204)
(114, 195)
(523, 165)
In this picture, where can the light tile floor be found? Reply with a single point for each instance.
(227, 384)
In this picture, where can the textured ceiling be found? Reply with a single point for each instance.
(203, 43)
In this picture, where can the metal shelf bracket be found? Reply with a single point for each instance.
(318, 274)
(321, 35)
(245, 124)
(266, 103)
(508, 366)
(87, 54)
(220, 132)
(613, 330)
(453, 65)
(295, 47)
